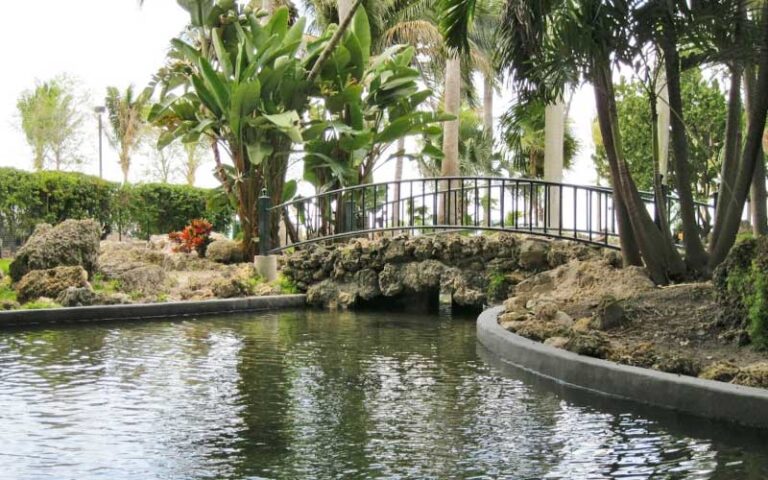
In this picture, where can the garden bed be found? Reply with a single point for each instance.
(599, 311)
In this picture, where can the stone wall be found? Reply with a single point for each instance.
(475, 270)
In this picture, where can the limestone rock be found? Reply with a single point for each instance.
(545, 310)
(225, 251)
(537, 330)
(68, 244)
(591, 344)
(557, 342)
(720, 371)
(610, 314)
(160, 242)
(677, 364)
(390, 281)
(754, 375)
(323, 294)
(563, 319)
(78, 297)
(9, 305)
(367, 284)
(148, 279)
(50, 283)
(230, 288)
(533, 255)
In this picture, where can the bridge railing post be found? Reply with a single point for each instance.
(265, 234)
(349, 215)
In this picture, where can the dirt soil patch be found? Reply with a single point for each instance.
(623, 317)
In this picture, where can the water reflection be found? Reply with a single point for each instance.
(318, 395)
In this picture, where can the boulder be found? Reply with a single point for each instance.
(9, 305)
(590, 344)
(720, 371)
(78, 297)
(50, 283)
(225, 251)
(533, 255)
(147, 279)
(230, 288)
(754, 375)
(68, 244)
(610, 314)
(367, 284)
(677, 364)
(557, 342)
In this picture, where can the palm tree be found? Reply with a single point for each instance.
(126, 113)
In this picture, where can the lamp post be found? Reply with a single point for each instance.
(99, 110)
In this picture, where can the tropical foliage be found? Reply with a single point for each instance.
(126, 112)
(548, 45)
(52, 123)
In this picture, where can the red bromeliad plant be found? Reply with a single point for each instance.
(195, 237)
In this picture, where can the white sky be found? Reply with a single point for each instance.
(114, 42)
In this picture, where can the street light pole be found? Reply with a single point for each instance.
(99, 110)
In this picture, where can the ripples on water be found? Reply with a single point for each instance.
(317, 395)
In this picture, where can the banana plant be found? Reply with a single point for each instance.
(363, 105)
(243, 86)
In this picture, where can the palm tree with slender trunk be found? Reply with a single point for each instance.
(127, 117)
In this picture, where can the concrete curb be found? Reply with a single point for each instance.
(705, 398)
(104, 313)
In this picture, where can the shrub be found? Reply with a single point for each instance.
(742, 289)
(195, 237)
(31, 198)
(156, 208)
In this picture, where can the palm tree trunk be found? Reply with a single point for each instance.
(488, 105)
(398, 177)
(695, 254)
(450, 164)
(636, 229)
(727, 229)
(757, 191)
(554, 137)
(730, 166)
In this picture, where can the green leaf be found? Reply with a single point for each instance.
(221, 53)
(258, 151)
(362, 30)
(289, 190)
(215, 84)
(288, 123)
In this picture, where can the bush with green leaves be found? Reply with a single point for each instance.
(27, 199)
(741, 283)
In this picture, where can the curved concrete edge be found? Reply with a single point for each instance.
(103, 313)
(705, 398)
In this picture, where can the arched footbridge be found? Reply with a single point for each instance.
(580, 213)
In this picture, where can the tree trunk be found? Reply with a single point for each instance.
(488, 106)
(398, 177)
(554, 138)
(125, 163)
(757, 191)
(695, 255)
(333, 43)
(659, 193)
(661, 259)
(450, 164)
(729, 227)
(730, 166)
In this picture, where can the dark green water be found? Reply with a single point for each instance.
(318, 395)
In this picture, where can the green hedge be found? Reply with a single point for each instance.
(27, 199)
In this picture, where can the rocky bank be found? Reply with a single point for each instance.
(474, 270)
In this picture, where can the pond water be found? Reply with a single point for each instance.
(321, 395)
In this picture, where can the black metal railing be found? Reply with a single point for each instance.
(581, 213)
